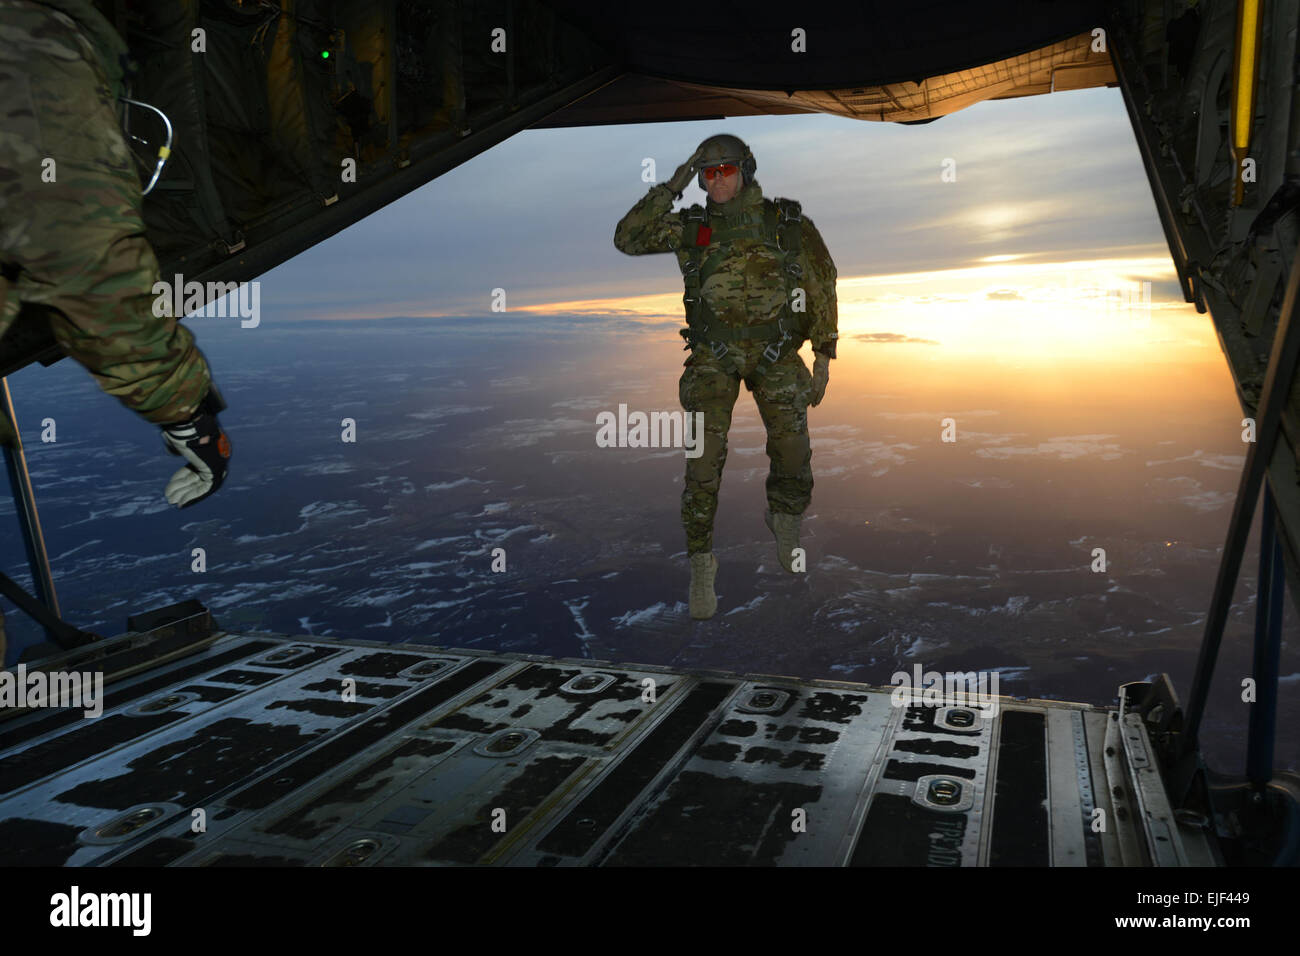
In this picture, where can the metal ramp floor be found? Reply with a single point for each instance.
(216, 749)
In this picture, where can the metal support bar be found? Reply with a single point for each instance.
(1268, 647)
(60, 632)
(29, 520)
(1177, 249)
(1277, 386)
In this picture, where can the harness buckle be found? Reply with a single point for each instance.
(719, 349)
(773, 350)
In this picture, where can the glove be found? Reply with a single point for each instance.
(821, 376)
(685, 172)
(206, 451)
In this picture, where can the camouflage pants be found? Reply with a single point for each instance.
(711, 385)
(77, 243)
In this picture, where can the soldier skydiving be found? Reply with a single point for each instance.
(77, 244)
(759, 282)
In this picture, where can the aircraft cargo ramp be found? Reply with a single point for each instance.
(214, 749)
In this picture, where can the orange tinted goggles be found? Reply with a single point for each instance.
(726, 169)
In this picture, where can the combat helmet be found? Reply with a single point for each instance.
(725, 148)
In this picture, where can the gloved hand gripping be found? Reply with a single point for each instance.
(206, 450)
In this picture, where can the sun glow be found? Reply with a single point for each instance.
(1101, 309)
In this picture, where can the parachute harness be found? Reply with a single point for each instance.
(778, 228)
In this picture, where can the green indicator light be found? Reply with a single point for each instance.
(324, 54)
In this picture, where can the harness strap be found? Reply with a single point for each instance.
(717, 332)
(778, 227)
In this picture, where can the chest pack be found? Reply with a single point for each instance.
(778, 226)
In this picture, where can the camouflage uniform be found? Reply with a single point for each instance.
(78, 244)
(747, 290)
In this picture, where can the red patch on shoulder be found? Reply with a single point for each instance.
(702, 237)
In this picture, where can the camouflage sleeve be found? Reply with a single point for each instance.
(150, 365)
(78, 240)
(822, 303)
(650, 225)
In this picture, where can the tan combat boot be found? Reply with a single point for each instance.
(704, 566)
(786, 529)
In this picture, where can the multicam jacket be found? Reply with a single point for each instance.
(748, 289)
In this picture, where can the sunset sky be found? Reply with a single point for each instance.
(1039, 248)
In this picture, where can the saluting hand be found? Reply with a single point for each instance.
(682, 178)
